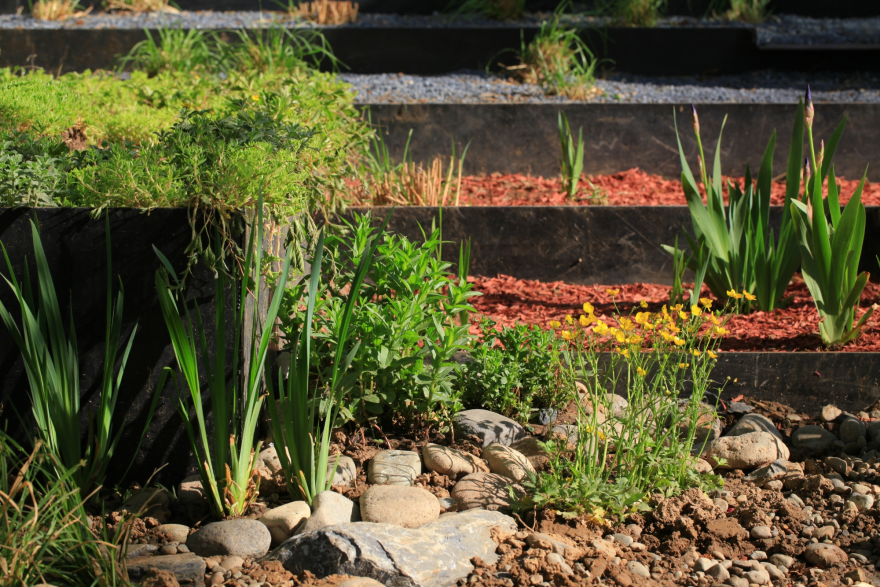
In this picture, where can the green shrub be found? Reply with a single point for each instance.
(406, 319)
(512, 372)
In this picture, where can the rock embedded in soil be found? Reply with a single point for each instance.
(825, 555)
(241, 537)
(185, 567)
(451, 462)
(175, 532)
(862, 502)
(507, 462)
(485, 491)
(754, 423)
(346, 471)
(151, 502)
(283, 520)
(407, 507)
(529, 448)
(488, 426)
(268, 457)
(814, 438)
(852, 430)
(394, 467)
(361, 582)
(747, 451)
(330, 509)
(830, 412)
(434, 555)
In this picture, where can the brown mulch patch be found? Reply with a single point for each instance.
(509, 301)
(627, 188)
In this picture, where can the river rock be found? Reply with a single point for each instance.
(488, 426)
(754, 423)
(283, 520)
(435, 555)
(185, 567)
(346, 471)
(530, 448)
(268, 457)
(451, 462)
(487, 491)
(330, 509)
(361, 582)
(507, 462)
(394, 467)
(747, 451)
(830, 412)
(407, 507)
(814, 438)
(862, 501)
(852, 430)
(825, 554)
(175, 532)
(241, 537)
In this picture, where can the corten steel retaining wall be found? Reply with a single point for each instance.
(523, 138)
(417, 50)
(75, 248)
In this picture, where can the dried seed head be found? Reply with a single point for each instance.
(809, 111)
(695, 119)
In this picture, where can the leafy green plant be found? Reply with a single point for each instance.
(51, 362)
(495, 9)
(750, 11)
(739, 246)
(830, 252)
(175, 49)
(45, 534)
(295, 416)
(513, 371)
(279, 49)
(619, 459)
(405, 317)
(226, 461)
(633, 12)
(558, 60)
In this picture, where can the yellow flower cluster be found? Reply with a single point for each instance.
(738, 296)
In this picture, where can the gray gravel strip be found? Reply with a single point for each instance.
(764, 87)
(778, 30)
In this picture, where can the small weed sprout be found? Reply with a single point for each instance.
(494, 9)
(559, 61)
(633, 12)
(326, 12)
(616, 463)
(57, 10)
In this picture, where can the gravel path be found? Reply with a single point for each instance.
(758, 87)
(778, 30)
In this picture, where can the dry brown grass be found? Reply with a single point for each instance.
(57, 10)
(332, 12)
(140, 5)
(413, 185)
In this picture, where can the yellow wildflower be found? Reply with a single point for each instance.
(712, 355)
(678, 341)
(626, 324)
(695, 310)
(707, 303)
(634, 339)
(586, 320)
(696, 352)
(673, 328)
(648, 326)
(623, 352)
(555, 324)
(749, 296)
(666, 336)
(621, 337)
(665, 311)
(567, 335)
(734, 295)
(682, 315)
(569, 319)
(255, 98)
(601, 328)
(588, 308)
(714, 319)
(612, 292)
(641, 372)
(643, 304)
(643, 317)
(720, 331)
(684, 365)
(677, 307)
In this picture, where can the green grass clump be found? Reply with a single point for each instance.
(633, 12)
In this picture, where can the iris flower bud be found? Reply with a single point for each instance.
(809, 111)
(807, 173)
(821, 156)
(695, 119)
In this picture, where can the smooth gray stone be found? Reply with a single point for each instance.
(434, 555)
(489, 426)
(242, 537)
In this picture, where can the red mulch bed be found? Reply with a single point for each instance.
(508, 301)
(628, 188)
